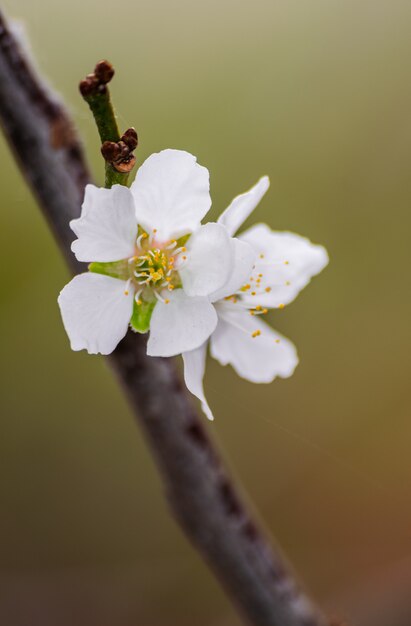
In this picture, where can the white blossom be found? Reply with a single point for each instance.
(152, 264)
(270, 269)
(154, 267)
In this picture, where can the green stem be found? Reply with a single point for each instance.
(104, 116)
(114, 178)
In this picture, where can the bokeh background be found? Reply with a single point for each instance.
(316, 94)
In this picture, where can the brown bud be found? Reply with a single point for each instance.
(130, 138)
(88, 86)
(104, 72)
(111, 151)
(124, 151)
(126, 165)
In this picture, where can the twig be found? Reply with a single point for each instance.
(117, 151)
(95, 92)
(198, 488)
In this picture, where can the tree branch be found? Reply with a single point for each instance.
(200, 493)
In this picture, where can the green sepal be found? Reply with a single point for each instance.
(183, 240)
(140, 320)
(116, 269)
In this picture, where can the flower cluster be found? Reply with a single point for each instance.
(153, 266)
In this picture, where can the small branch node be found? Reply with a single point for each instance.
(120, 153)
(95, 84)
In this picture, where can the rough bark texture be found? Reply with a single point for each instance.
(200, 493)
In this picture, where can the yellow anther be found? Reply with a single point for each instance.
(281, 306)
(264, 311)
(258, 308)
(184, 258)
(256, 333)
(287, 282)
(154, 230)
(167, 301)
(260, 275)
(138, 302)
(252, 312)
(286, 262)
(245, 287)
(261, 256)
(183, 249)
(170, 287)
(253, 293)
(268, 289)
(277, 341)
(126, 292)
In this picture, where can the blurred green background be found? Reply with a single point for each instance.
(316, 94)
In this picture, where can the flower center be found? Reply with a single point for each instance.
(155, 267)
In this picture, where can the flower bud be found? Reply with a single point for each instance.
(130, 138)
(104, 72)
(111, 151)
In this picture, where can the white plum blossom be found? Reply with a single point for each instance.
(152, 264)
(270, 269)
(154, 267)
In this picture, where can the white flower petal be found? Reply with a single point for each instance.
(181, 325)
(171, 194)
(96, 312)
(243, 205)
(244, 257)
(258, 359)
(194, 367)
(107, 228)
(285, 264)
(209, 260)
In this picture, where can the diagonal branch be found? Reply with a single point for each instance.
(201, 494)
